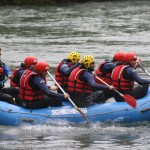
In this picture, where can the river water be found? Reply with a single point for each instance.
(50, 33)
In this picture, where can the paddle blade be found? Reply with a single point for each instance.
(130, 100)
(88, 122)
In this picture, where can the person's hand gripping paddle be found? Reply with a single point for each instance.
(128, 98)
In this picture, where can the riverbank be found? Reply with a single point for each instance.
(42, 2)
(36, 2)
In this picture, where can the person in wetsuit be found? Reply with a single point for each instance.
(13, 90)
(29, 63)
(5, 72)
(34, 92)
(65, 68)
(124, 75)
(104, 71)
(81, 84)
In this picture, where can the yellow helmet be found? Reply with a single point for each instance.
(74, 57)
(87, 60)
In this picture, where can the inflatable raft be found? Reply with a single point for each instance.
(113, 111)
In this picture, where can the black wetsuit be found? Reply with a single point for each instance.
(138, 92)
(51, 98)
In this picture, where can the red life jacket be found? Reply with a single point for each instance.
(118, 81)
(76, 85)
(15, 81)
(2, 76)
(104, 76)
(61, 78)
(25, 91)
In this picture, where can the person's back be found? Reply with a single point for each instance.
(104, 70)
(64, 69)
(17, 73)
(29, 63)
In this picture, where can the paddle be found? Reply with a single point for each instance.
(70, 100)
(4, 81)
(128, 98)
(144, 70)
(0, 53)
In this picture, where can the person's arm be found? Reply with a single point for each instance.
(40, 84)
(66, 70)
(7, 71)
(89, 78)
(21, 72)
(109, 66)
(133, 75)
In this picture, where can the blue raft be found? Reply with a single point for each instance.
(118, 112)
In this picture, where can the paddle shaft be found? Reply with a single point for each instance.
(109, 85)
(70, 99)
(4, 81)
(144, 70)
(0, 53)
(128, 98)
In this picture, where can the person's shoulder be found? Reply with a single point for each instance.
(36, 79)
(64, 65)
(129, 69)
(66, 61)
(109, 64)
(21, 71)
(86, 72)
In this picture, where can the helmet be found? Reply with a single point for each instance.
(74, 57)
(42, 66)
(87, 60)
(119, 56)
(30, 60)
(129, 56)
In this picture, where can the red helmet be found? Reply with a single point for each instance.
(42, 66)
(129, 56)
(30, 60)
(119, 56)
